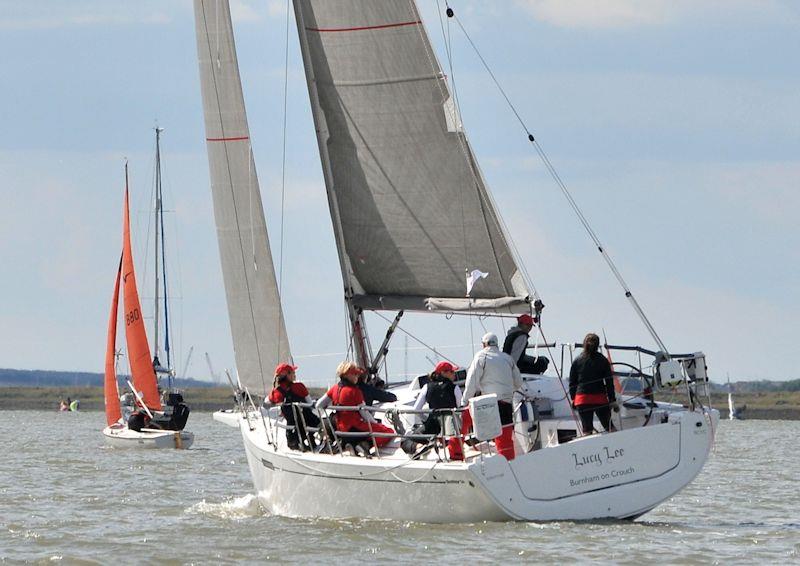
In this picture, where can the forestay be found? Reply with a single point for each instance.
(410, 209)
(254, 308)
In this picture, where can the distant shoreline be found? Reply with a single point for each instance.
(760, 406)
(200, 399)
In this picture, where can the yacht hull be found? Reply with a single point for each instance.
(228, 417)
(620, 475)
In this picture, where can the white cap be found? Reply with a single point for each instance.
(490, 339)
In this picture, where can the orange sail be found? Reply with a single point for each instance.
(144, 376)
(113, 413)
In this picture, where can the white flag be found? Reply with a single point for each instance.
(473, 277)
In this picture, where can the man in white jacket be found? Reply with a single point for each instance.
(492, 371)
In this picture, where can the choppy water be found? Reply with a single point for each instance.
(66, 497)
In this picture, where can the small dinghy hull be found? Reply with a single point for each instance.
(120, 436)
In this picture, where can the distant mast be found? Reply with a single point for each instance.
(160, 263)
(157, 209)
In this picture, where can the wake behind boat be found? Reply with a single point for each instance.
(149, 423)
(417, 231)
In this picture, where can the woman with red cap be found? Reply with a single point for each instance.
(441, 394)
(346, 393)
(286, 391)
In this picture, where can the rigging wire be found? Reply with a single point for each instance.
(283, 177)
(176, 280)
(565, 191)
(446, 37)
(458, 129)
(484, 197)
(407, 333)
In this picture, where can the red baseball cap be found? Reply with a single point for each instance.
(444, 366)
(526, 319)
(283, 369)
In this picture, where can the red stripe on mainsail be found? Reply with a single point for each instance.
(228, 139)
(363, 28)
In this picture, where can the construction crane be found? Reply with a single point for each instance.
(186, 364)
(214, 376)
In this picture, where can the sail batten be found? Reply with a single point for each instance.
(410, 207)
(254, 309)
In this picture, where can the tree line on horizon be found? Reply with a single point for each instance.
(53, 378)
(48, 378)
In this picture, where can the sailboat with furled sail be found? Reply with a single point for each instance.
(152, 424)
(416, 231)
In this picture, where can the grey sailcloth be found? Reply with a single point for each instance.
(411, 213)
(254, 308)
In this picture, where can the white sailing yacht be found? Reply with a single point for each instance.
(413, 221)
(734, 413)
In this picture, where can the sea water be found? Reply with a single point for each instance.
(66, 497)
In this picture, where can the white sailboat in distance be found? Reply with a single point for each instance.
(413, 219)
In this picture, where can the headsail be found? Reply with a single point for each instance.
(144, 377)
(410, 208)
(113, 413)
(254, 308)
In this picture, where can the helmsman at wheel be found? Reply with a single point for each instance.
(493, 371)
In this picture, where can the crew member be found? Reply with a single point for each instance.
(346, 393)
(285, 392)
(493, 371)
(591, 385)
(374, 392)
(440, 393)
(516, 343)
(138, 420)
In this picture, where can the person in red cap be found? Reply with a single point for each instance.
(440, 393)
(286, 391)
(346, 393)
(516, 343)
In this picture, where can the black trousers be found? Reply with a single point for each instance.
(506, 412)
(529, 364)
(587, 413)
(299, 435)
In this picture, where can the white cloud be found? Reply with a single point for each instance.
(244, 12)
(768, 191)
(276, 8)
(81, 17)
(619, 14)
(603, 15)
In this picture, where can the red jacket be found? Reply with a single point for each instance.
(278, 394)
(348, 395)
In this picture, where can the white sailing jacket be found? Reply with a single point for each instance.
(492, 371)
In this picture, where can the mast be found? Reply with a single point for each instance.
(356, 315)
(158, 213)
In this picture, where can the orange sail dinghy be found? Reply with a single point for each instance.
(148, 424)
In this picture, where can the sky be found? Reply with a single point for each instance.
(675, 124)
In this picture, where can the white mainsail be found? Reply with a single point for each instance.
(254, 307)
(410, 209)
